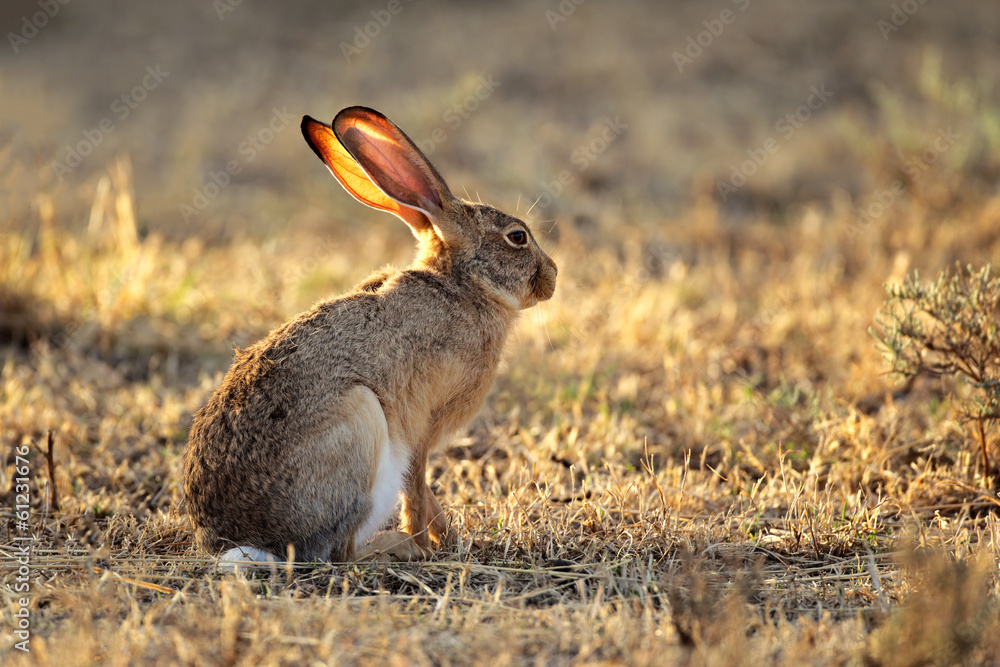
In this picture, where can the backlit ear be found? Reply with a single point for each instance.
(342, 164)
(394, 163)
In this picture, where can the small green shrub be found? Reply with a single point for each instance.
(949, 327)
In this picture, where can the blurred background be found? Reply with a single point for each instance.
(513, 91)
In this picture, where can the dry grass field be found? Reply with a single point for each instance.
(693, 454)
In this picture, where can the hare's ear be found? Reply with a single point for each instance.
(378, 164)
(342, 164)
(395, 164)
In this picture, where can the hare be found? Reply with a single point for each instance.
(317, 429)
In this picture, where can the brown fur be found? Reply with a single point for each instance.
(285, 450)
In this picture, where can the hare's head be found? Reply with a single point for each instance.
(381, 167)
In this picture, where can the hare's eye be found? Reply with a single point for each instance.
(517, 237)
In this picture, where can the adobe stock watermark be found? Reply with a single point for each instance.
(913, 170)
(31, 25)
(900, 15)
(249, 149)
(696, 44)
(786, 127)
(121, 108)
(563, 11)
(223, 7)
(458, 113)
(23, 543)
(364, 35)
(582, 157)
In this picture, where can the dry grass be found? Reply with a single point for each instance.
(693, 454)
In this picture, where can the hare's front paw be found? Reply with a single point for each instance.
(393, 546)
(437, 523)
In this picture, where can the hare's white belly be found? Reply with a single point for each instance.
(392, 465)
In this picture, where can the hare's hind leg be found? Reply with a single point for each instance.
(245, 559)
(355, 472)
(390, 467)
(391, 461)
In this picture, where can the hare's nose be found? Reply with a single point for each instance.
(545, 280)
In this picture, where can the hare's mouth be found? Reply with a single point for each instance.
(543, 284)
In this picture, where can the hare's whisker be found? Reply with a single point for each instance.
(545, 327)
(533, 205)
